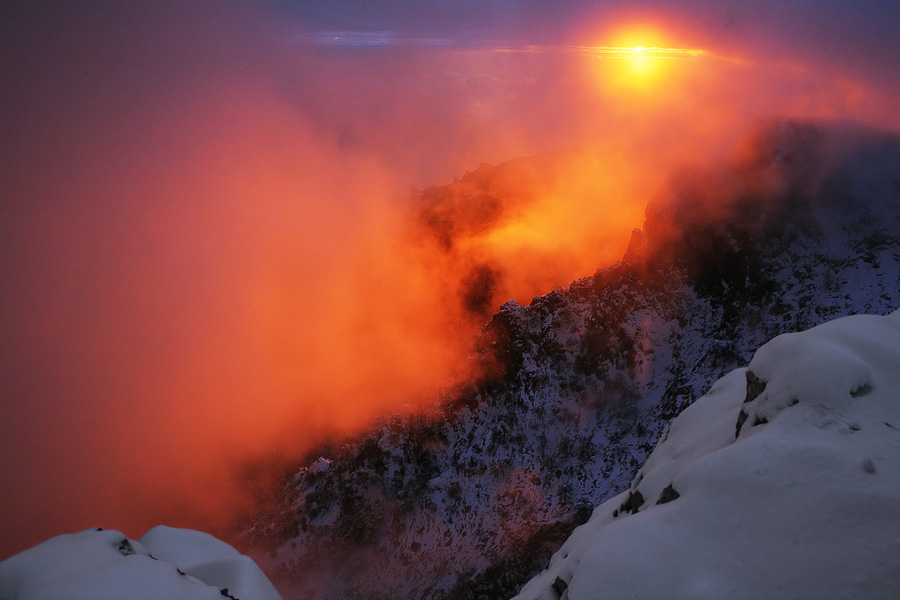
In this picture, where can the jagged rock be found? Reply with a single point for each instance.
(668, 494)
(578, 385)
(755, 387)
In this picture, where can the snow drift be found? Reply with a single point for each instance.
(178, 564)
(782, 482)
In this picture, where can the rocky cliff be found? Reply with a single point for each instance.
(573, 390)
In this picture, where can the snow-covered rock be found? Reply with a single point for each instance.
(470, 502)
(166, 563)
(782, 482)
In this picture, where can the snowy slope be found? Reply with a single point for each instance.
(782, 482)
(471, 500)
(166, 563)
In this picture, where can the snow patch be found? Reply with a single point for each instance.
(806, 504)
(167, 563)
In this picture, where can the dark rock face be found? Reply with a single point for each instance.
(668, 494)
(577, 387)
(632, 504)
(755, 387)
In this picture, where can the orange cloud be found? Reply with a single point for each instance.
(213, 252)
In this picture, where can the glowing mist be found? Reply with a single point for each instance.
(210, 253)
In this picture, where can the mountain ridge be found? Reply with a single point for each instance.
(575, 388)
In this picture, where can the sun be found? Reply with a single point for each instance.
(631, 68)
(638, 60)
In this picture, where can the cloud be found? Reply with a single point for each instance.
(210, 250)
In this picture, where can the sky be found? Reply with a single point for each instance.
(214, 244)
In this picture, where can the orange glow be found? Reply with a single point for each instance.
(580, 217)
(212, 254)
(639, 61)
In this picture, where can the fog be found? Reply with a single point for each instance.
(211, 248)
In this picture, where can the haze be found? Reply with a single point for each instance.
(209, 249)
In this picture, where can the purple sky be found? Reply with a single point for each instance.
(861, 35)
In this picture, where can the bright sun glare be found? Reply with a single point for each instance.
(639, 61)
(639, 58)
